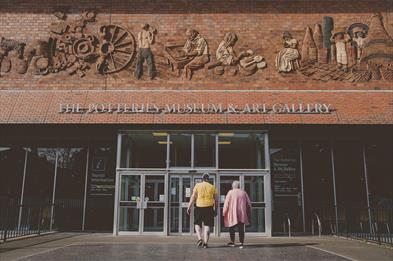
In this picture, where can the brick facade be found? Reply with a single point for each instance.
(259, 25)
(42, 107)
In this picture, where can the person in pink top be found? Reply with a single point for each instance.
(237, 212)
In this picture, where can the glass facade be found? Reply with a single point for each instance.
(204, 150)
(345, 184)
(154, 149)
(286, 186)
(187, 156)
(249, 145)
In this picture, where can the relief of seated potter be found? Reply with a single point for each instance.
(191, 56)
(228, 60)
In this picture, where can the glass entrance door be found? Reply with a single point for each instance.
(180, 190)
(254, 184)
(142, 203)
(180, 193)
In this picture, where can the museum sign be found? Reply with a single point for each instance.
(195, 108)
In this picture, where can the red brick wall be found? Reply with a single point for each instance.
(259, 25)
(42, 107)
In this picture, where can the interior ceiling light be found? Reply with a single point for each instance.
(160, 134)
(226, 134)
(224, 143)
(163, 142)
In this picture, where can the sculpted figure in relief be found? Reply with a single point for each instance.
(358, 32)
(225, 54)
(145, 40)
(287, 60)
(197, 49)
(340, 41)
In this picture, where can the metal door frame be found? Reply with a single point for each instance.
(267, 197)
(192, 177)
(142, 197)
(180, 214)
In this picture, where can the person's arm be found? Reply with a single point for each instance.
(140, 40)
(216, 204)
(187, 47)
(151, 37)
(200, 47)
(226, 204)
(192, 201)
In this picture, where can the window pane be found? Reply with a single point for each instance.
(254, 187)
(70, 186)
(12, 160)
(350, 186)
(101, 187)
(286, 186)
(241, 151)
(180, 150)
(225, 187)
(144, 150)
(40, 175)
(380, 179)
(130, 188)
(257, 222)
(205, 150)
(318, 184)
(129, 219)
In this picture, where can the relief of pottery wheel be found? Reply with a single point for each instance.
(117, 49)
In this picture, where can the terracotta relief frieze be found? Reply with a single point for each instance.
(359, 52)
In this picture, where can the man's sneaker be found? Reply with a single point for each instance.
(205, 245)
(241, 246)
(199, 243)
(231, 244)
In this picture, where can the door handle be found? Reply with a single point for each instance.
(138, 203)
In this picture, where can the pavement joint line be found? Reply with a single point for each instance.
(331, 252)
(43, 252)
(47, 250)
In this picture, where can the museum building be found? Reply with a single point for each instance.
(111, 111)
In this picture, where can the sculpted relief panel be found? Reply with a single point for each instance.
(359, 52)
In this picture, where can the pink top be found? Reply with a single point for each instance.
(237, 208)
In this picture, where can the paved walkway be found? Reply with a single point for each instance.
(72, 246)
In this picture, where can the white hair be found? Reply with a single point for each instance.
(235, 184)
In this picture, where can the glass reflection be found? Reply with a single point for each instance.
(180, 150)
(241, 151)
(257, 222)
(130, 188)
(254, 187)
(129, 219)
(12, 160)
(205, 150)
(144, 150)
(70, 186)
(225, 186)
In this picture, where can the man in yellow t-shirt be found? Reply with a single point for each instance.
(205, 196)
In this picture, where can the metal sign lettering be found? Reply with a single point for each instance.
(195, 108)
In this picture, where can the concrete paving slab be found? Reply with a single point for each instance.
(78, 246)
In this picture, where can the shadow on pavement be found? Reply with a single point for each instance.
(269, 245)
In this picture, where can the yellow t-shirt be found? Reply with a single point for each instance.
(206, 193)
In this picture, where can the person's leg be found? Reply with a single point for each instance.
(241, 232)
(150, 63)
(198, 231)
(195, 64)
(232, 233)
(198, 226)
(139, 64)
(206, 233)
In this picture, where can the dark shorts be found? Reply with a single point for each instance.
(204, 215)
